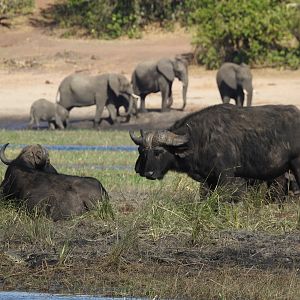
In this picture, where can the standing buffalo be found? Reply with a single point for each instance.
(110, 90)
(152, 77)
(30, 178)
(225, 142)
(234, 81)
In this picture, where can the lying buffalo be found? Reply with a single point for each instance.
(30, 178)
(222, 143)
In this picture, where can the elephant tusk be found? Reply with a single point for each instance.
(245, 92)
(135, 96)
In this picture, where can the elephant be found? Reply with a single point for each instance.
(110, 89)
(152, 77)
(234, 81)
(43, 110)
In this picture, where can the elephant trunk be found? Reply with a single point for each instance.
(132, 107)
(249, 98)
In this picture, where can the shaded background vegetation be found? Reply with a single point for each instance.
(10, 7)
(259, 32)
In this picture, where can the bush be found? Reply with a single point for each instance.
(256, 32)
(294, 23)
(111, 19)
(8, 7)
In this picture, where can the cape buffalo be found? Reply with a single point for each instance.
(30, 178)
(224, 142)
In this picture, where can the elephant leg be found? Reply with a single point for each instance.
(225, 99)
(37, 123)
(170, 98)
(100, 103)
(143, 107)
(59, 123)
(113, 113)
(51, 125)
(240, 100)
(31, 122)
(66, 123)
(165, 97)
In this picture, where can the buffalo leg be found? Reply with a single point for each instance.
(295, 167)
(235, 185)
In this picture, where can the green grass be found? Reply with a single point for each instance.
(152, 238)
(72, 137)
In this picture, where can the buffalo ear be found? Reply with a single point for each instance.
(39, 156)
(182, 153)
(166, 68)
(114, 84)
(188, 148)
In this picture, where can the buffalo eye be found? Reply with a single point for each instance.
(157, 153)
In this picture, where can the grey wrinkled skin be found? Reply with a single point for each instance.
(110, 90)
(53, 113)
(32, 181)
(158, 76)
(232, 81)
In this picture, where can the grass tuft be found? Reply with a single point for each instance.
(168, 238)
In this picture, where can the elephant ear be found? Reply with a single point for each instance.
(114, 84)
(230, 76)
(166, 68)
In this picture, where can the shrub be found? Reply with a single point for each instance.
(111, 19)
(8, 7)
(294, 21)
(255, 32)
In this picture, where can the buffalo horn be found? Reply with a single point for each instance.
(142, 133)
(171, 139)
(137, 140)
(3, 158)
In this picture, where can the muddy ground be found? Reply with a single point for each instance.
(35, 59)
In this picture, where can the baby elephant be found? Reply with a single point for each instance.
(43, 110)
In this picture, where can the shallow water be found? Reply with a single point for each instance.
(44, 296)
